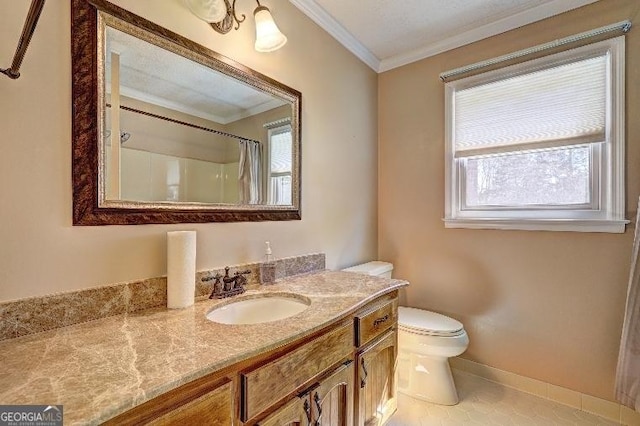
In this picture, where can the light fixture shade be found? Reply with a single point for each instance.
(211, 11)
(268, 36)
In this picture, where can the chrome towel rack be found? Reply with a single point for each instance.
(27, 31)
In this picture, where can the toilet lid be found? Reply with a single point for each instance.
(426, 322)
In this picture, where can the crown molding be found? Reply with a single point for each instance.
(521, 19)
(335, 29)
(318, 15)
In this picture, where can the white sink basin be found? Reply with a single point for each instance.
(259, 309)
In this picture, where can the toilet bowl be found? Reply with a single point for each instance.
(426, 341)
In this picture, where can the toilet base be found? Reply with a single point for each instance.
(426, 378)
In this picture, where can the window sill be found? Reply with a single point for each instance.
(571, 225)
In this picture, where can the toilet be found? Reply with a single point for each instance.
(426, 341)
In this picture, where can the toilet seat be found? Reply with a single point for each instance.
(428, 323)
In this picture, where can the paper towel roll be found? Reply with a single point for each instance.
(181, 269)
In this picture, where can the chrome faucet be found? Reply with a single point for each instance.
(230, 286)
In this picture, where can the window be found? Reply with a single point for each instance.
(539, 145)
(280, 165)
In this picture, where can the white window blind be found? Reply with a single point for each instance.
(559, 106)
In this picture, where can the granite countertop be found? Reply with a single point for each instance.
(102, 368)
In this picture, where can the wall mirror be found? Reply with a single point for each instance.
(168, 131)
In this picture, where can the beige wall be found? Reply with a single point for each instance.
(42, 252)
(547, 305)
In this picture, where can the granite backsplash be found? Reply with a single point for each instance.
(37, 314)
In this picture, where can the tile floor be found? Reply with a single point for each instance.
(486, 403)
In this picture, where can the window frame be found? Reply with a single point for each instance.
(606, 158)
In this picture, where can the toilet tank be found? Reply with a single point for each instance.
(376, 267)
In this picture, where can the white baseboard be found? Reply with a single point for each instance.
(590, 404)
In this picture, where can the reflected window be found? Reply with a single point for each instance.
(280, 165)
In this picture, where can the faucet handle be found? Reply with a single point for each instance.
(240, 279)
(216, 287)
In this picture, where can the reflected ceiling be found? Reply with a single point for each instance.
(181, 85)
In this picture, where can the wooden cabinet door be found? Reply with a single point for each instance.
(376, 397)
(296, 412)
(327, 403)
(332, 400)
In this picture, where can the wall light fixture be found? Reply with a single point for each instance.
(222, 16)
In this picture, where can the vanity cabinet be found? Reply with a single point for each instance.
(341, 375)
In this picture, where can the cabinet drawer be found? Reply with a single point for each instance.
(375, 321)
(204, 401)
(269, 383)
(213, 408)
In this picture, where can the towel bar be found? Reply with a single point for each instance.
(27, 31)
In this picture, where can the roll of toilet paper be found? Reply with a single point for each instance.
(181, 269)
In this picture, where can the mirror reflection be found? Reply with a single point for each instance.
(177, 131)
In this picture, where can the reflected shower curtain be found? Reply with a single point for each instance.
(250, 172)
(628, 372)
